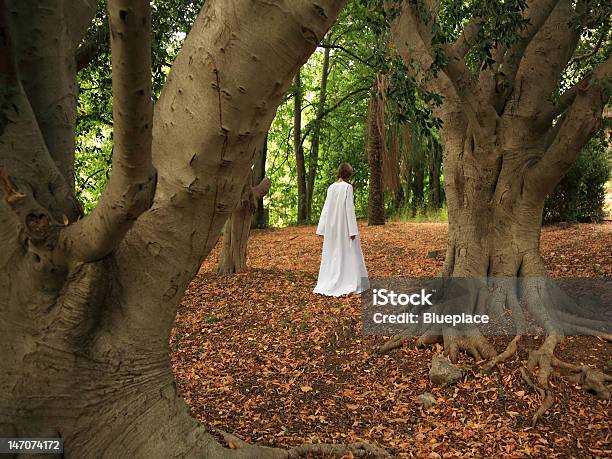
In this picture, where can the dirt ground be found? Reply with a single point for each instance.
(259, 355)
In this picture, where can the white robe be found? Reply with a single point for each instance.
(342, 269)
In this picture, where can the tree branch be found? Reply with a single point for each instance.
(565, 100)
(47, 71)
(22, 150)
(261, 189)
(604, 33)
(343, 49)
(329, 110)
(467, 39)
(537, 14)
(580, 122)
(92, 47)
(78, 14)
(132, 182)
(456, 70)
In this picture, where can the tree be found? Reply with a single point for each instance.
(87, 303)
(435, 172)
(517, 110)
(313, 160)
(260, 219)
(307, 165)
(376, 151)
(298, 150)
(233, 258)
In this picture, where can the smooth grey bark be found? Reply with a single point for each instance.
(48, 68)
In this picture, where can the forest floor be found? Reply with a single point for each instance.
(259, 355)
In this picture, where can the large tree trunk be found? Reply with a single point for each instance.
(502, 155)
(87, 306)
(375, 146)
(494, 220)
(233, 258)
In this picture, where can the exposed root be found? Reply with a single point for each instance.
(510, 350)
(472, 343)
(542, 359)
(528, 378)
(549, 307)
(428, 340)
(394, 342)
(547, 396)
(547, 403)
(359, 449)
(592, 380)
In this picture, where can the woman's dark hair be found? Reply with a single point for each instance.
(345, 171)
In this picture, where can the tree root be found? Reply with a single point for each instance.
(476, 345)
(535, 294)
(591, 379)
(472, 343)
(359, 449)
(511, 350)
(395, 342)
(547, 396)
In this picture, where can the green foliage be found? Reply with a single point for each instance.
(342, 137)
(171, 20)
(423, 215)
(499, 24)
(361, 50)
(580, 195)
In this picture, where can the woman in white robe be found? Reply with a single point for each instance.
(342, 269)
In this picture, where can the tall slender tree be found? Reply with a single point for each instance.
(313, 158)
(375, 151)
(260, 220)
(298, 150)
